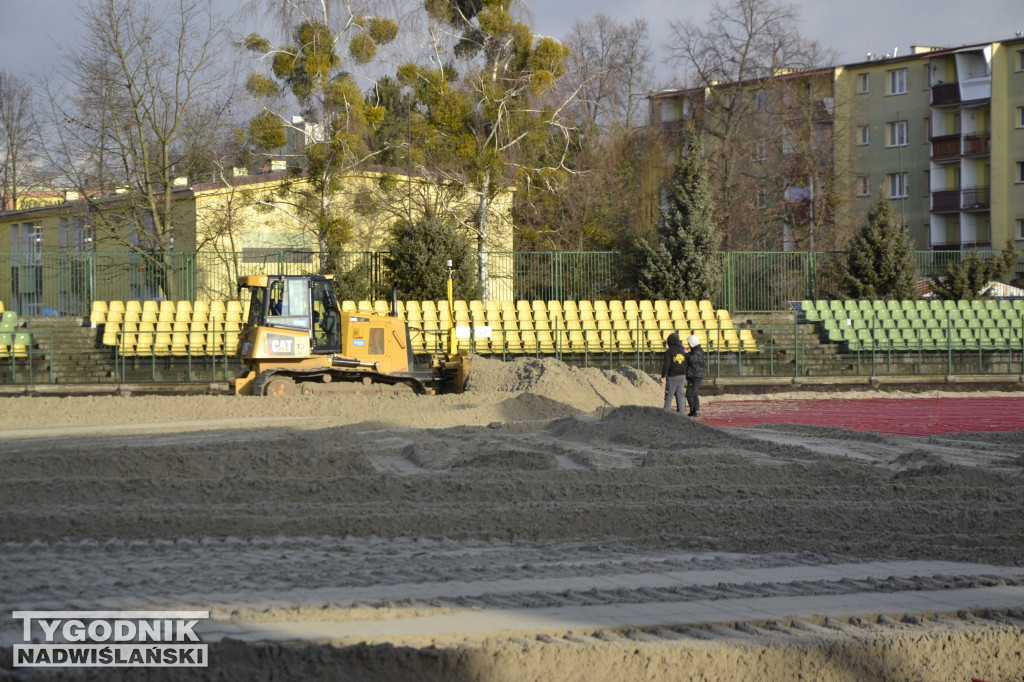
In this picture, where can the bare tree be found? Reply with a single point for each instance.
(746, 67)
(147, 81)
(19, 138)
(610, 71)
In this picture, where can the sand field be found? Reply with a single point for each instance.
(552, 523)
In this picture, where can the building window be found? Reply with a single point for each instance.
(864, 185)
(896, 132)
(865, 83)
(926, 127)
(762, 101)
(927, 184)
(1020, 117)
(1020, 228)
(897, 185)
(760, 150)
(863, 135)
(1020, 171)
(761, 199)
(1020, 60)
(898, 82)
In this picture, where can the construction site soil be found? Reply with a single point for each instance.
(551, 523)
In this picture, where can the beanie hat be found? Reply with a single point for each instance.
(692, 341)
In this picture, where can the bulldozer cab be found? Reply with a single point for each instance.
(298, 304)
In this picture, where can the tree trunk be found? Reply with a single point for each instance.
(482, 248)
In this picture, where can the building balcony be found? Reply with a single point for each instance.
(964, 199)
(959, 246)
(975, 199)
(945, 93)
(946, 147)
(978, 144)
(946, 201)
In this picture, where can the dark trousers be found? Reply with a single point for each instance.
(693, 394)
(674, 390)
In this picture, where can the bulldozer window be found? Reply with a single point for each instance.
(289, 304)
(326, 332)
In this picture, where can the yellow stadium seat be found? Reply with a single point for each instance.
(233, 306)
(97, 307)
(412, 307)
(381, 308)
(747, 341)
(179, 344)
(150, 307)
(133, 307)
(365, 307)
(348, 306)
(161, 344)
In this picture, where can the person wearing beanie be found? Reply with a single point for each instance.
(673, 372)
(695, 363)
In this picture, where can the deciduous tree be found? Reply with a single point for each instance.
(315, 70)
(478, 99)
(145, 81)
(19, 138)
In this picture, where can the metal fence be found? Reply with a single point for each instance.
(40, 284)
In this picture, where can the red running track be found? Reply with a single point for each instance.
(899, 416)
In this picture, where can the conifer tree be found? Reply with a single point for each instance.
(684, 263)
(879, 263)
(417, 257)
(969, 278)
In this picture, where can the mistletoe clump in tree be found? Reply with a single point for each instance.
(684, 263)
(970, 278)
(879, 263)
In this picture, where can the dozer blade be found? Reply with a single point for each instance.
(452, 371)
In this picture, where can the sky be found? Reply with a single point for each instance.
(30, 29)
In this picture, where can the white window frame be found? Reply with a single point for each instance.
(760, 150)
(863, 185)
(864, 84)
(1020, 172)
(761, 199)
(896, 134)
(899, 185)
(1020, 228)
(1020, 117)
(1020, 60)
(899, 82)
(863, 136)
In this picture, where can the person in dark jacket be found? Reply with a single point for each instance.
(695, 363)
(673, 372)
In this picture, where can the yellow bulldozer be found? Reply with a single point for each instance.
(297, 339)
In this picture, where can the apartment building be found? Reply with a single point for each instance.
(938, 131)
